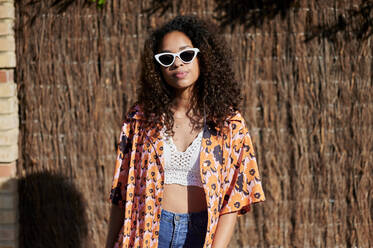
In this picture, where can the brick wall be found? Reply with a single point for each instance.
(8, 128)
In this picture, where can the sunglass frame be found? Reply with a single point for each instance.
(174, 55)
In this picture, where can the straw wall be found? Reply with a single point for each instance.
(305, 69)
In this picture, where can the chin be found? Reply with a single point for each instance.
(181, 84)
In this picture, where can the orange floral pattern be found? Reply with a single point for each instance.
(228, 170)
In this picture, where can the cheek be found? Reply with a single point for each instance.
(196, 70)
(167, 78)
(165, 73)
(195, 67)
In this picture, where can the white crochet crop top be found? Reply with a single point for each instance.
(182, 167)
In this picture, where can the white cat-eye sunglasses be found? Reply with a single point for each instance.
(167, 59)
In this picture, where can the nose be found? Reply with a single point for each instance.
(178, 62)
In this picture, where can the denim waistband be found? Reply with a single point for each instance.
(170, 216)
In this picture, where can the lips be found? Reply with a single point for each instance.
(181, 74)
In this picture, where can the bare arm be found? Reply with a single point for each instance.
(115, 223)
(224, 230)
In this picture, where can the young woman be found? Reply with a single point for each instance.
(185, 167)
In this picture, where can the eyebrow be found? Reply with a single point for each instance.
(180, 48)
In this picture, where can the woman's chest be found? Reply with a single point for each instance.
(184, 134)
(217, 153)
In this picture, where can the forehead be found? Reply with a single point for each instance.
(175, 41)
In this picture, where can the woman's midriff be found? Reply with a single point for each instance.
(183, 199)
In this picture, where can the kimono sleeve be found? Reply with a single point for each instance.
(118, 188)
(245, 187)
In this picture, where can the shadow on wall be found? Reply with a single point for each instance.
(161, 6)
(51, 212)
(356, 23)
(250, 13)
(234, 12)
(62, 5)
(43, 7)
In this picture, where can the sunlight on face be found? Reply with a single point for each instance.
(179, 75)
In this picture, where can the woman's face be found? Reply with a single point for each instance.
(179, 75)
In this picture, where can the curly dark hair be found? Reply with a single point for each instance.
(216, 94)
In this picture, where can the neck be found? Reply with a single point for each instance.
(181, 103)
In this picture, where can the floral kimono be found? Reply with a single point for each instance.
(228, 168)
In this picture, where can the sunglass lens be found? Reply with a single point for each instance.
(187, 56)
(166, 59)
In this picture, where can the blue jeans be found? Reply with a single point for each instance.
(182, 230)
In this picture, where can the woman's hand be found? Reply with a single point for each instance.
(224, 230)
